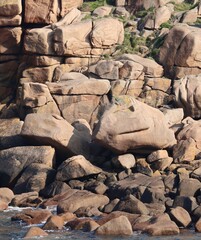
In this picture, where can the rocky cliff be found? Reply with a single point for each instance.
(100, 113)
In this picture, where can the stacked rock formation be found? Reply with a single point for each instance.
(115, 138)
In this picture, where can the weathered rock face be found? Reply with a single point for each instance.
(188, 93)
(14, 160)
(124, 128)
(47, 12)
(73, 200)
(117, 226)
(61, 135)
(36, 98)
(179, 39)
(76, 167)
(189, 144)
(10, 13)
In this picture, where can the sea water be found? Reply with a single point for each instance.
(16, 231)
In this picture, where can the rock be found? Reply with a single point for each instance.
(82, 126)
(121, 87)
(125, 161)
(14, 160)
(80, 224)
(180, 36)
(46, 11)
(8, 82)
(180, 216)
(187, 95)
(102, 11)
(188, 187)
(72, 16)
(6, 195)
(102, 37)
(143, 167)
(67, 5)
(35, 232)
(162, 15)
(73, 76)
(106, 69)
(67, 216)
(131, 70)
(188, 203)
(128, 136)
(151, 68)
(96, 187)
(153, 195)
(155, 208)
(36, 98)
(156, 155)
(80, 87)
(190, 16)
(162, 164)
(10, 20)
(38, 74)
(54, 188)
(88, 212)
(173, 116)
(121, 11)
(54, 223)
(3, 205)
(119, 226)
(133, 182)
(132, 205)
(61, 135)
(73, 107)
(111, 205)
(73, 39)
(10, 13)
(189, 144)
(25, 199)
(90, 226)
(10, 8)
(10, 40)
(76, 167)
(34, 178)
(10, 133)
(162, 225)
(81, 199)
(32, 216)
(39, 40)
(198, 225)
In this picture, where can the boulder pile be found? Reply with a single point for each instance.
(91, 123)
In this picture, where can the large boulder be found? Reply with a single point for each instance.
(119, 226)
(10, 13)
(39, 40)
(76, 167)
(14, 160)
(188, 94)
(34, 178)
(72, 200)
(150, 67)
(130, 126)
(10, 133)
(184, 42)
(189, 143)
(41, 12)
(10, 40)
(105, 37)
(36, 98)
(55, 131)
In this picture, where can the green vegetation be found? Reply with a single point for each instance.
(167, 24)
(131, 43)
(90, 6)
(185, 6)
